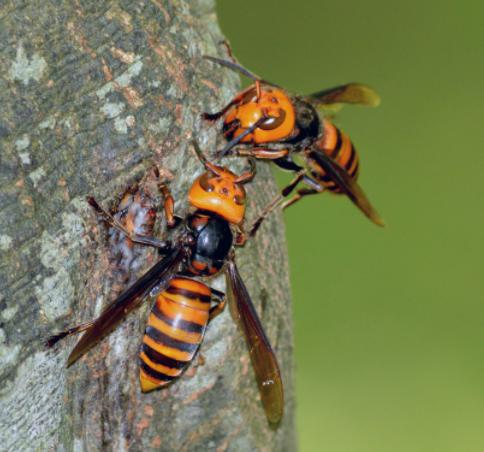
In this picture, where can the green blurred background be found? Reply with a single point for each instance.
(389, 343)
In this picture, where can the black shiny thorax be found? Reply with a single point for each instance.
(212, 240)
(308, 124)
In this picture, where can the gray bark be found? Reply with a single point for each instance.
(92, 94)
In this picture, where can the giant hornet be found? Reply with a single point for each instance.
(266, 122)
(184, 306)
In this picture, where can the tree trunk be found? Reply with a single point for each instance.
(93, 94)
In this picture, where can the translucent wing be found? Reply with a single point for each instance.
(262, 356)
(347, 185)
(159, 275)
(351, 93)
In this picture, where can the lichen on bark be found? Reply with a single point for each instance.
(92, 94)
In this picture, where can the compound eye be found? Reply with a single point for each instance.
(273, 122)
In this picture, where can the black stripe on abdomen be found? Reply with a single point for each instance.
(155, 374)
(159, 358)
(349, 164)
(185, 325)
(337, 146)
(354, 173)
(188, 293)
(164, 339)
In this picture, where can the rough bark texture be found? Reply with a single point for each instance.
(92, 94)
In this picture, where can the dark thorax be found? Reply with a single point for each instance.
(211, 239)
(308, 125)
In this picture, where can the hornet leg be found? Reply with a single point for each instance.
(259, 153)
(169, 206)
(300, 194)
(221, 301)
(286, 191)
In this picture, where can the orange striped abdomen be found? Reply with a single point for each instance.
(338, 146)
(175, 329)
